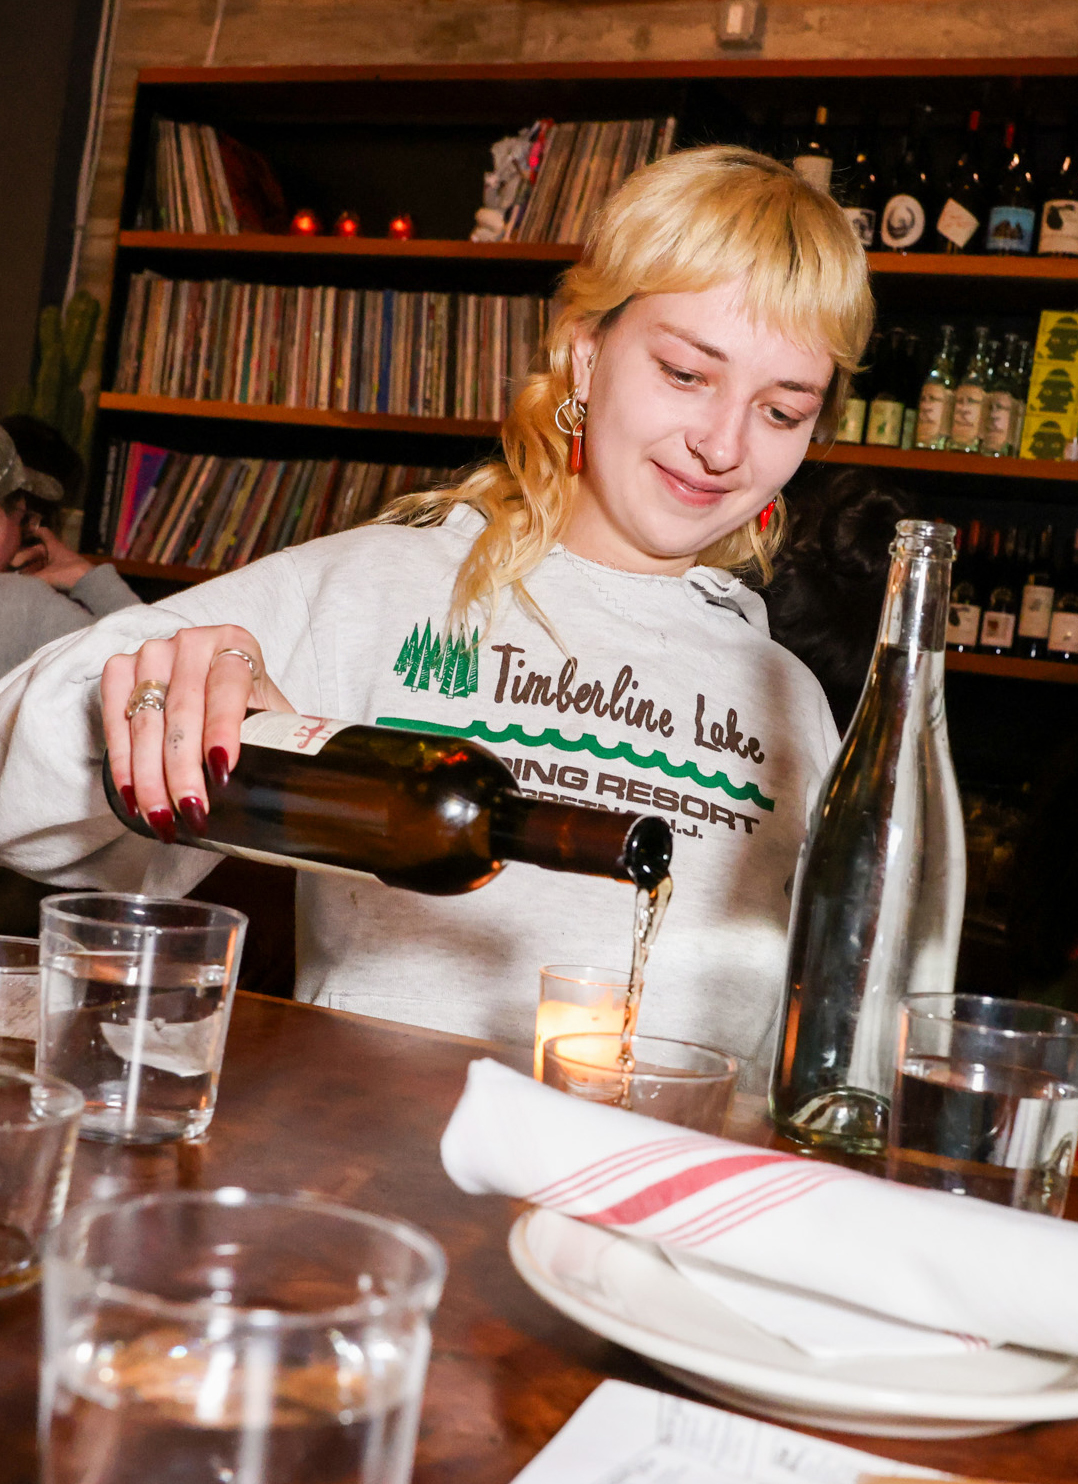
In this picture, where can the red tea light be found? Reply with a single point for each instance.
(401, 228)
(305, 224)
(347, 225)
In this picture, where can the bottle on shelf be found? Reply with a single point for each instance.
(999, 405)
(1059, 213)
(883, 424)
(964, 613)
(1038, 596)
(969, 397)
(906, 211)
(963, 208)
(1024, 363)
(879, 889)
(1001, 608)
(912, 374)
(851, 428)
(935, 407)
(858, 195)
(815, 161)
(1012, 216)
(1063, 630)
(433, 814)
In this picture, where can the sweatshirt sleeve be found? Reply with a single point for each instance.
(33, 614)
(103, 591)
(55, 823)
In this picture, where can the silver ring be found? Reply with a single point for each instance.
(241, 654)
(148, 695)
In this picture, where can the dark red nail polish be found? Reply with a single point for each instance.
(127, 793)
(194, 814)
(217, 762)
(163, 824)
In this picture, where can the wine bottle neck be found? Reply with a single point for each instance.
(591, 842)
(914, 617)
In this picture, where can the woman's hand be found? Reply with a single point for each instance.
(49, 559)
(156, 756)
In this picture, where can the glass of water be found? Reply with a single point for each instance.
(215, 1336)
(136, 993)
(39, 1124)
(986, 1100)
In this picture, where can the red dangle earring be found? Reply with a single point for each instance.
(765, 516)
(570, 418)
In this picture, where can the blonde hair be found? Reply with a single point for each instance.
(696, 219)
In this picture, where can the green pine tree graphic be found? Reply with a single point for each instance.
(452, 663)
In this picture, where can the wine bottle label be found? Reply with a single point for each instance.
(270, 858)
(284, 731)
(1036, 614)
(956, 223)
(863, 221)
(909, 426)
(816, 169)
(1010, 229)
(998, 629)
(963, 623)
(885, 423)
(1063, 633)
(935, 412)
(1059, 228)
(851, 428)
(998, 418)
(903, 223)
(968, 411)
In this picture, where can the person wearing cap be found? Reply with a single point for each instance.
(70, 593)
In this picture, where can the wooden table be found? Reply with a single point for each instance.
(353, 1109)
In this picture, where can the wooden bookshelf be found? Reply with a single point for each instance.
(1005, 668)
(299, 417)
(938, 462)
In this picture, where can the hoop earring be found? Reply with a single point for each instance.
(765, 516)
(569, 419)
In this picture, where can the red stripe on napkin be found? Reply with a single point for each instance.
(679, 1187)
(614, 1167)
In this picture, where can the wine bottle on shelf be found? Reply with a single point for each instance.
(906, 211)
(999, 404)
(1001, 609)
(1063, 630)
(964, 614)
(858, 195)
(880, 883)
(912, 372)
(1059, 213)
(883, 425)
(935, 407)
(851, 428)
(815, 162)
(1012, 217)
(963, 207)
(1038, 596)
(1024, 362)
(969, 397)
(434, 814)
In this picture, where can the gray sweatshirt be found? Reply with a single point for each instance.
(667, 696)
(32, 613)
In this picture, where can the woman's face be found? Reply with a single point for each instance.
(697, 417)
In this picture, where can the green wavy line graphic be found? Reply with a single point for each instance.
(551, 737)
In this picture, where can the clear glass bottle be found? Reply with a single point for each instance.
(969, 398)
(880, 884)
(998, 421)
(936, 406)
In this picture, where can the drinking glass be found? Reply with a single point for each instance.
(136, 993)
(576, 997)
(19, 988)
(986, 1100)
(39, 1125)
(676, 1081)
(210, 1336)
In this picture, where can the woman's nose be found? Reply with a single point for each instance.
(718, 441)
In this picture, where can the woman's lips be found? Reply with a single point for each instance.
(689, 491)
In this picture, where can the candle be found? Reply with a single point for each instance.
(562, 1018)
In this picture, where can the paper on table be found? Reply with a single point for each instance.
(628, 1434)
(19, 1005)
(185, 1049)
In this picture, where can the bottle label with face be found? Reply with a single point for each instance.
(863, 221)
(1059, 228)
(997, 630)
(903, 223)
(1010, 229)
(934, 413)
(816, 169)
(851, 428)
(885, 423)
(998, 419)
(284, 731)
(1036, 614)
(968, 411)
(1063, 633)
(963, 624)
(956, 223)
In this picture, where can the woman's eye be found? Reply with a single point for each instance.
(783, 419)
(681, 377)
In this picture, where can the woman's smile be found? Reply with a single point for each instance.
(690, 489)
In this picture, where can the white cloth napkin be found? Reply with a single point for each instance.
(919, 1256)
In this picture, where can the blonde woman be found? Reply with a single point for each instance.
(614, 659)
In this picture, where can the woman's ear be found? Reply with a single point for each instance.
(585, 345)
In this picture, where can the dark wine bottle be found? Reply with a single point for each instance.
(858, 194)
(963, 206)
(883, 425)
(964, 614)
(815, 161)
(1063, 630)
(434, 814)
(1038, 596)
(1001, 610)
(1012, 219)
(906, 211)
(1059, 213)
(912, 373)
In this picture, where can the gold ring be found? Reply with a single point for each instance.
(241, 654)
(148, 695)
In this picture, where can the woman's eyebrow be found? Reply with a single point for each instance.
(717, 354)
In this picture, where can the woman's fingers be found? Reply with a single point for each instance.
(236, 681)
(153, 665)
(117, 683)
(185, 712)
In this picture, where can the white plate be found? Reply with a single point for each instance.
(626, 1291)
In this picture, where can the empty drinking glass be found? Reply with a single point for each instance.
(676, 1081)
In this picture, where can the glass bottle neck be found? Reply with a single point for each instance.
(914, 618)
(591, 842)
